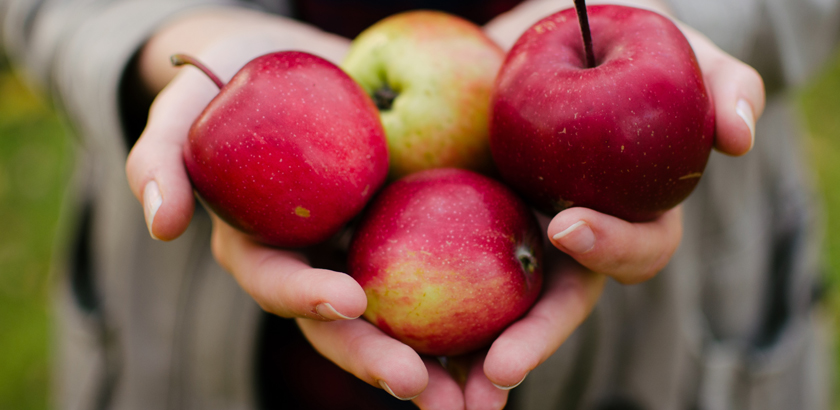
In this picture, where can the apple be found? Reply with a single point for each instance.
(431, 75)
(447, 258)
(628, 134)
(289, 150)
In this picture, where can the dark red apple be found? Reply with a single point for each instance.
(289, 151)
(448, 258)
(629, 136)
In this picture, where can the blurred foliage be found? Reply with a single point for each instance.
(820, 107)
(35, 165)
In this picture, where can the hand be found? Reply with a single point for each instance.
(570, 291)
(629, 253)
(224, 40)
(633, 253)
(362, 349)
(282, 282)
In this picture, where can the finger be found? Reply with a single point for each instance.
(738, 94)
(363, 350)
(442, 392)
(155, 165)
(479, 392)
(628, 252)
(571, 292)
(282, 283)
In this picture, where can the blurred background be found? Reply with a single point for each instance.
(36, 160)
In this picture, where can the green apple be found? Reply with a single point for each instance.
(431, 75)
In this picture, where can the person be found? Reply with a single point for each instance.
(145, 324)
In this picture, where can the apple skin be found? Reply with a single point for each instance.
(448, 258)
(629, 137)
(442, 69)
(289, 150)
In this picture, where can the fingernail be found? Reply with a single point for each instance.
(391, 392)
(577, 238)
(744, 110)
(151, 204)
(328, 311)
(510, 387)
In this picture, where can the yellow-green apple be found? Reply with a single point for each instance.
(628, 133)
(431, 75)
(448, 258)
(288, 151)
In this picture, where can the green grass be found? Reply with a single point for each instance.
(820, 107)
(35, 164)
(36, 160)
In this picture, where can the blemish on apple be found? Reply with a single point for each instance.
(692, 175)
(560, 204)
(302, 212)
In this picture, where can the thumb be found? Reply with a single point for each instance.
(155, 166)
(738, 94)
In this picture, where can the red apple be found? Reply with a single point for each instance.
(629, 136)
(448, 258)
(431, 74)
(289, 151)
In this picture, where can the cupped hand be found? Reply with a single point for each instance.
(480, 380)
(587, 247)
(282, 282)
(590, 246)
(224, 40)
(596, 246)
(633, 253)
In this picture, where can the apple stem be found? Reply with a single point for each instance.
(384, 98)
(583, 19)
(182, 59)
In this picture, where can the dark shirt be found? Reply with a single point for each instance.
(349, 17)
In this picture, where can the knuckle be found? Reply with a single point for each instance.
(264, 306)
(650, 271)
(647, 274)
(267, 306)
(217, 246)
(133, 162)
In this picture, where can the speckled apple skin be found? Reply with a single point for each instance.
(443, 68)
(437, 255)
(630, 137)
(289, 151)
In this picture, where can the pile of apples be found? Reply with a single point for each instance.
(293, 148)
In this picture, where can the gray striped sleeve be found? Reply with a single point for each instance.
(800, 34)
(76, 52)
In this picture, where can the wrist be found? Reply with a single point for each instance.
(506, 28)
(226, 39)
